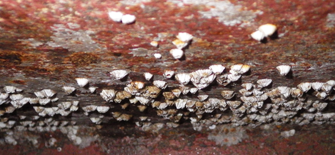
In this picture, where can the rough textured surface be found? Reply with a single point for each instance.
(47, 45)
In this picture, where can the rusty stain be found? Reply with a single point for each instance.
(83, 59)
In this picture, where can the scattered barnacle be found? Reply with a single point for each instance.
(148, 76)
(264, 82)
(233, 77)
(227, 94)
(168, 73)
(217, 69)
(154, 43)
(331, 82)
(44, 101)
(115, 16)
(108, 94)
(157, 55)
(239, 69)
(320, 95)
(65, 105)
(283, 69)
(288, 133)
(102, 109)
(141, 108)
(183, 78)
(268, 29)
(92, 89)
(68, 90)
(143, 118)
(305, 86)
(326, 88)
(160, 84)
(179, 44)
(184, 36)
(185, 90)
(82, 82)
(258, 35)
(128, 19)
(177, 53)
(118, 74)
(10, 109)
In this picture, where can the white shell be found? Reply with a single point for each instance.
(92, 89)
(217, 69)
(40, 94)
(162, 106)
(95, 120)
(142, 100)
(247, 86)
(154, 43)
(193, 90)
(264, 82)
(285, 91)
(184, 90)
(305, 87)
(148, 76)
(202, 78)
(176, 92)
(184, 36)
(102, 109)
(180, 103)
(267, 29)
(65, 105)
(115, 16)
(257, 35)
(177, 53)
(160, 84)
(239, 69)
(283, 69)
(317, 85)
(331, 82)
(118, 74)
(89, 108)
(202, 97)
(128, 19)
(9, 89)
(16, 97)
(82, 82)
(44, 101)
(183, 78)
(168, 73)
(49, 93)
(157, 55)
(227, 94)
(179, 44)
(68, 90)
(108, 94)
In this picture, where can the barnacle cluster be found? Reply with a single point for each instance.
(175, 97)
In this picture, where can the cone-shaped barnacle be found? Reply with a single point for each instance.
(239, 69)
(168, 74)
(65, 105)
(296, 92)
(190, 105)
(316, 85)
(51, 111)
(118, 74)
(82, 82)
(49, 93)
(257, 35)
(10, 89)
(108, 94)
(124, 106)
(193, 90)
(96, 120)
(233, 77)
(168, 95)
(124, 117)
(153, 91)
(89, 108)
(160, 84)
(180, 103)
(227, 94)
(44, 101)
(264, 82)
(244, 92)
(183, 78)
(184, 36)
(223, 80)
(331, 82)
(162, 105)
(128, 19)
(155, 104)
(285, 91)
(148, 76)
(154, 43)
(142, 100)
(283, 69)
(177, 53)
(268, 29)
(116, 16)
(40, 94)
(326, 88)
(141, 108)
(185, 90)
(121, 95)
(102, 109)
(202, 97)
(305, 86)
(320, 95)
(179, 43)
(319, 105)
(234, 104)
(172, 124)
(138, 84)
(248, 86)
(202, 78)
(92, 89)
(10, 109)
(68, 90)
(176, 92)
(217, 69)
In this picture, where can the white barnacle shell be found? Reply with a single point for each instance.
(10, 109)
(239, 69)
(63, 112)
(331, 82)
(148, 76)
(96, 120)
(118, 74)
(68, 90)
(257, 35)
(227, 94)
(317, 85)
(296, 92)
(142, 100)
(160, 84)
(305, 86)
(168, 73)
(183, 78)
(184, 36)
(285, 91)
(179, 44)
(16, 97)
(20, 103)
(89, 108)
(9, 89)
(176, 92)
(108, 94)
(138, 84)
(82, 82)
(264, 82)
(234, 104)
(184, 90)
(283, 69)
(44, 101)
(65, 105)
(233, 77)
(177, 53)
(326, 87)
(40, 94)
(247, 86)
(217, 69)
(162, 106)
(193, 90)
(128, 19)
(141, 108)
(115, 16)
(202, 97)
(49, 111)
(154, 43)
(202, 78)
(49, 93)
(267, 29)
(157, 55)
(180, 103)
